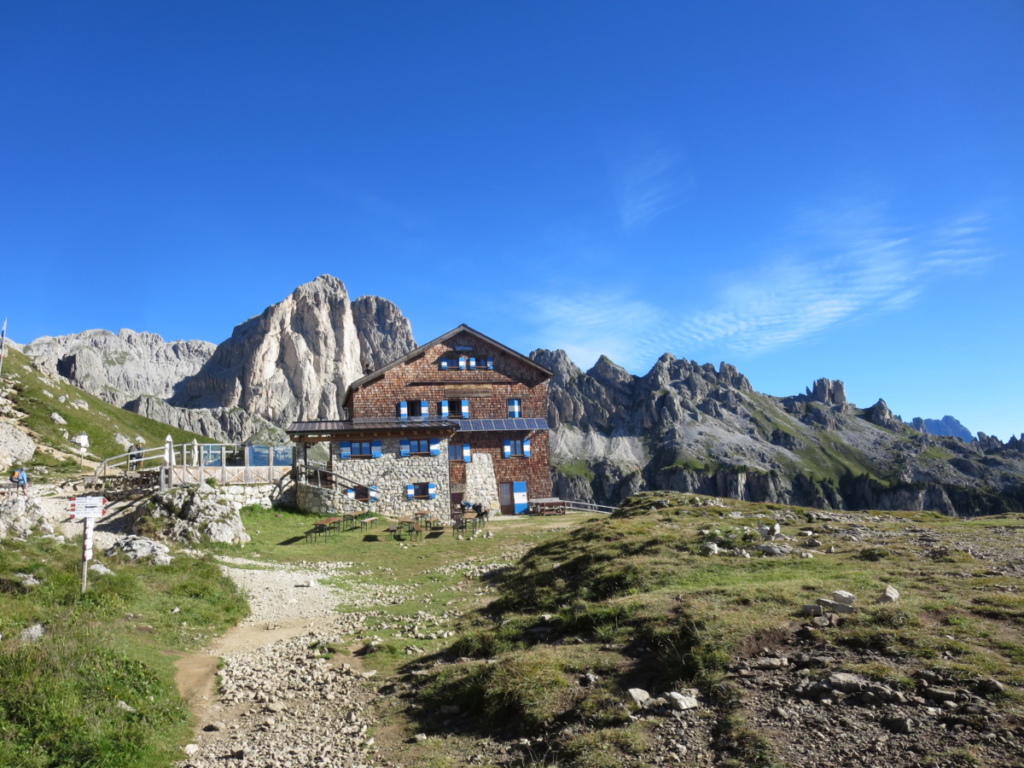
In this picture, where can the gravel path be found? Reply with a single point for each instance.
(282, 701)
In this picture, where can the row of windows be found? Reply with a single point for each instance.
(427, 446)
(450, 409)
(466, 363)
(412, 491)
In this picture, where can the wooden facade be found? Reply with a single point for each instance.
(480, 402)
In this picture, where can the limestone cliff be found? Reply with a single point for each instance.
(120, 367)
(293, 361)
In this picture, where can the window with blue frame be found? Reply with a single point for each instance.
(458, 409)
(362, 449)
(513, 448)
(459, 452)
(419, 446)
(515, 408)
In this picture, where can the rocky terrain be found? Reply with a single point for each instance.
(690, 427)
(120, 367)
(293, 361)
(682, 426)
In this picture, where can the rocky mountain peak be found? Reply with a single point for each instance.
(610, 374)
(385, 334)
(292, 362)
(880, 415)
(828, 392)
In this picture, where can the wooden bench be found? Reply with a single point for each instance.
(366, 522)
(394, 530)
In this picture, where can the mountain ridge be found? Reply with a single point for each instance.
(681, 426)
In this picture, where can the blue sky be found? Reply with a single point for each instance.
(802, 189)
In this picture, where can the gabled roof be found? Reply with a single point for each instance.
(360, 383)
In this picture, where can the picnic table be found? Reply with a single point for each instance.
(323, 527)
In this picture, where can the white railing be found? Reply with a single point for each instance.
(225, 463)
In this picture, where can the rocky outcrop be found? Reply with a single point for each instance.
(16, 447)
(385, 334)
(120, 367)
(880, 415)
(192, 514)
(692, 428)
(293, 361)
(946, 426)
(20, 515)
(828, 392)
(228, 425)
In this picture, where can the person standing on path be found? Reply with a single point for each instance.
(22, 480)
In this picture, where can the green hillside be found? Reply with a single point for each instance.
(32, 398)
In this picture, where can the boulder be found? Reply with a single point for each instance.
(891, 595)
(141, 548)
(19, 515)
(193, 513)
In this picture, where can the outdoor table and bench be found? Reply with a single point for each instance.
(324, 527)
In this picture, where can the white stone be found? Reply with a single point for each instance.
(891, 595)
(842, 596)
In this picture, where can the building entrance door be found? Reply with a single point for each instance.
(505, 498)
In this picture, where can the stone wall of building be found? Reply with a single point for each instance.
(481, 486)
(391, 474)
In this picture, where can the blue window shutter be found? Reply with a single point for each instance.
(345, 450)
(350, 492)
(374, 493)
(444, 409)
(431, 490)
(435, 446)
(377, 450)
(403, 448)
(410, 491)
(462, 362)
(472, 363)
(403, 410)
(444, 364)
(506, 449)
(526, 447)
(465, 409)
(490, 363)
(467, 453)
(515, 408)
(424, 409)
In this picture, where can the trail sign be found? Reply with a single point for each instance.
(87, 509)
(88, 506)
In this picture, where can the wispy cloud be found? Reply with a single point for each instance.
(833, 272)
(650, 181)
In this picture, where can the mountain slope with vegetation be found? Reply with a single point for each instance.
(676, 632)
(52, 411)
(692, 428)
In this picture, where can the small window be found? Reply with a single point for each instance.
(515, 408)
(458, 409)
(364, 449)
(421, 490)
(459, 452)
(516, 447)
(419, 446)
(362, 492)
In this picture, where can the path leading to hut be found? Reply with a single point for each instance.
(281, 700)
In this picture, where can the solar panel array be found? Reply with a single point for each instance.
(500, 425)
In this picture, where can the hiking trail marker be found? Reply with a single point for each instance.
(87, 509)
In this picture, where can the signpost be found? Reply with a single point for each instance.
(87, 508)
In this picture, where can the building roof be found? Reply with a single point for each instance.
(360, 383)
(401, 425)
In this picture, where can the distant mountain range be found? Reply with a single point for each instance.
(682, 426)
